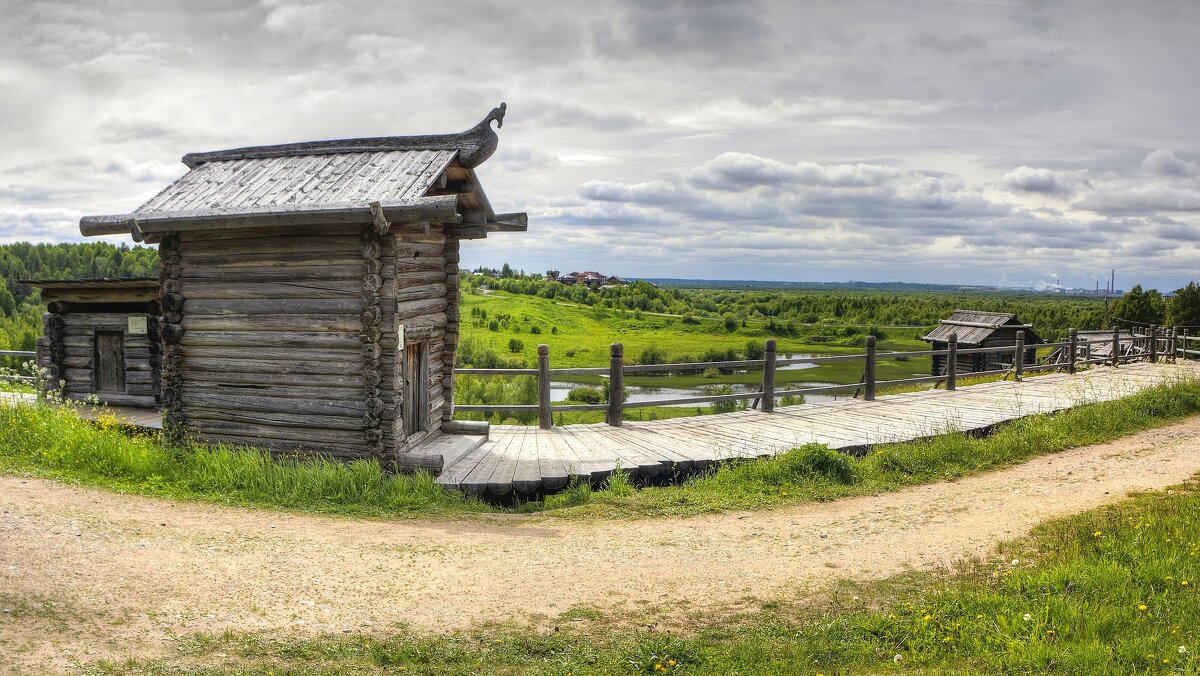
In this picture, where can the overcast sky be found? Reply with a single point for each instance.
(977, 142)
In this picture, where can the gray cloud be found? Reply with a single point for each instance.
(959, 142)
(1165, 163)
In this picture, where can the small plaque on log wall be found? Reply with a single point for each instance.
(137, 326)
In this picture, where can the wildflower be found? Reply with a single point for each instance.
(1051, 633)
(1097, 534)
(1183, 583)
(1016, 561)
(658, 667)
(672, 662)
(1028, 617)
(898, 658)
(946, 640)
(1142, 607)
(979, 617)
(928, 617)
(1183, 650)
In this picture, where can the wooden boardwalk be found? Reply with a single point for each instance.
(529, 460)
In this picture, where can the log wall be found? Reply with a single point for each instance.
(70, 356)
(289, 340)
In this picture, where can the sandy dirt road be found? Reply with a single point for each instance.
(87, 574)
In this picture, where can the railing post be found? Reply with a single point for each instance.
(768, 400)
(1072, 349)
(1116, 347)
(952, 362)
(869, 372)
(1183, 340)
(616, 386)
(1019, 356)
(545, 419)
(1153, 343)
(1171, 344)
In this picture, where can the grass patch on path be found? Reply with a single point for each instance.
(1110, 591)
(55, 443)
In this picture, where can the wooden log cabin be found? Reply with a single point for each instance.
(310, 291)
(977, 329)
(100, 339)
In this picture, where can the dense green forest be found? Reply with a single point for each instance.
(21, 307)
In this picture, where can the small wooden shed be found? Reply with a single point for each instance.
(101, 338)
(982, 329)
(310, 290)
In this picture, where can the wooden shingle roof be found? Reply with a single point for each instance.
(974, 326)
(381, 180)
(343, 178)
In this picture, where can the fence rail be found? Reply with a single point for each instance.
(1067, 355)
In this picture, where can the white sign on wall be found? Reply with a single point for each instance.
(137, 326)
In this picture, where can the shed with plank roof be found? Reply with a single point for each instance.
(976, 329)
(100, 339)
(309, 291)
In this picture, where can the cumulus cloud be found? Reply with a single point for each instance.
(1033, 180)
(1165, 163)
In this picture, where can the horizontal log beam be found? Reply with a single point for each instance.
(442, 209)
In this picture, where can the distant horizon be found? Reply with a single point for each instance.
(730, 280)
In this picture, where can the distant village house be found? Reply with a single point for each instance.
(982, 329)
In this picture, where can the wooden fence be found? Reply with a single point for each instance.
(1150, 346)
(20, 354)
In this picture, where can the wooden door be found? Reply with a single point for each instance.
(110, 361)
(416, 387)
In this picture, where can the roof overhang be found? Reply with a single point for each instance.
(441, 209)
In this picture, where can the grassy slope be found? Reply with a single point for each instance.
(1109, 591)
(51, 442)
(589, 332)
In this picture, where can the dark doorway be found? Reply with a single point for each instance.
(416, 387)
(110, 361)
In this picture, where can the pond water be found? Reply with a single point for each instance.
(559, 390)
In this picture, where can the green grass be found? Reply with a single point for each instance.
(1110, 591)
(584, 334)
(55, 443)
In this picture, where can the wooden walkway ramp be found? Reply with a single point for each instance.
(529, 460)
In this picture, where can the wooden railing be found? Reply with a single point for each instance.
(1150, 347)
(31, 379)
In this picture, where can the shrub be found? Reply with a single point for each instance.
(652, 354)
(585, 395)
(754, 349)
(493, 325)
(515, 345)
(554, 330)
(731, 324)
(689, 319)
(535, 329)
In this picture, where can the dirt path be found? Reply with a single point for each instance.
(121, 575)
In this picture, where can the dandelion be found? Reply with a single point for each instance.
(946, 640)
(1183, 583)
(1051, 633)
(1142, 607)
(979, 617)
(672, 662)
(1097, 534)
(928, 617)
(658, 667)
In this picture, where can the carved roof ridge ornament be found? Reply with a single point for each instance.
(474, 145)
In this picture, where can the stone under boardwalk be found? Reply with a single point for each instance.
(529, 460)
